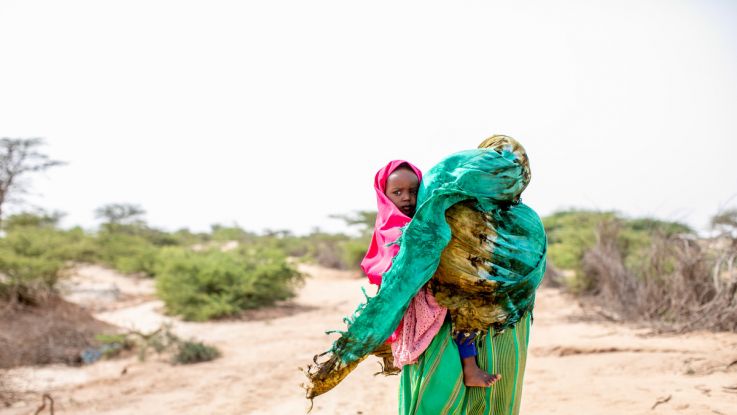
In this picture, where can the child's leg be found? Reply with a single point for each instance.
(472, 373)
(466, 344)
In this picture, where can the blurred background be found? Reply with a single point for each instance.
(171, 162)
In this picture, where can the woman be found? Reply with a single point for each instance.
(493, 258)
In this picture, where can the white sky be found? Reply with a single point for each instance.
(275, 114)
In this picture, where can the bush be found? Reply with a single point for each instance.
(326, 249)
(127, 253)
(112, 344)
(31, 220)
(26, 279)
(75, 245)
(189, 352)
(206, 285)
(162, 340)
(71, 245)
(30, 261)
(332, 250)
(353, 252)
(571, 234)
(230, 233)
(677, 282)
(293, 246)
(34, 251)
(184, 237)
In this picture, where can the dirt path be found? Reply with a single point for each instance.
(576, 365)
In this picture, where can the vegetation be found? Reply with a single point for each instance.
(638, 268)
(199, 275)
(213, 284)
(18, 158)
(161, 341)
(190, 351)
(33, 253)
(644, 269)
(572, 233)
(112, 344)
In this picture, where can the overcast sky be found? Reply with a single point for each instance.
(276, 114)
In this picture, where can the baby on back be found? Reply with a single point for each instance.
(396, 188)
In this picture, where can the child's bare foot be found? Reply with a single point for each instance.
(474, 376)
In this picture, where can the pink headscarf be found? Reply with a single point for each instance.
(389, 219)
(424, 316)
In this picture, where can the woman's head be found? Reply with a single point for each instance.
(401, 188)
(501, 143)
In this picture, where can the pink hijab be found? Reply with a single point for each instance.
(389, 219)
(424, 316)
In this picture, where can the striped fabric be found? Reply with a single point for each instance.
(434, 385)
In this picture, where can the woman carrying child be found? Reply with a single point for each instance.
(471, 246)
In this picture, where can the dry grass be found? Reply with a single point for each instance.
(685, 283)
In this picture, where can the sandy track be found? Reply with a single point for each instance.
(576, 364)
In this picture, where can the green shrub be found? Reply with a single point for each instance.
(26, 278)
(353, 252)
(31, 220)
(185, 237)
(230, 233)
(332, 250)
(33, 252)
(291, 245)
(156, 237)
(112, 338)
(71, 245)
(570, 234)
(636, 240)
(31, 258)
(205, 285)
(76, 245)
(127, 253)
(189, 352)
(112, 344)
(326, 249)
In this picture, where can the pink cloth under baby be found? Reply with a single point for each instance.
(421, 322)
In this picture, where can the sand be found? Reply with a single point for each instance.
(577, 363)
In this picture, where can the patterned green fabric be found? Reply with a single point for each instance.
(434, 385)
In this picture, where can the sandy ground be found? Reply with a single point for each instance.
(577, 364)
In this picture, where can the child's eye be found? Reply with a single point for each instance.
(397, 193)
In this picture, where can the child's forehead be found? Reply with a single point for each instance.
(402, 178)
(402, 175)
(403, 169)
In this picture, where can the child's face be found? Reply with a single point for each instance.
(401, 189)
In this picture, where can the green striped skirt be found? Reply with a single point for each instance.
(434, 385)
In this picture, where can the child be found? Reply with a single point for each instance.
(396, 188)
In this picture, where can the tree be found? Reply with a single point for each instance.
(40, 219)
(364, 220)
(119, 213)
(726, 222)
(18, 157)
